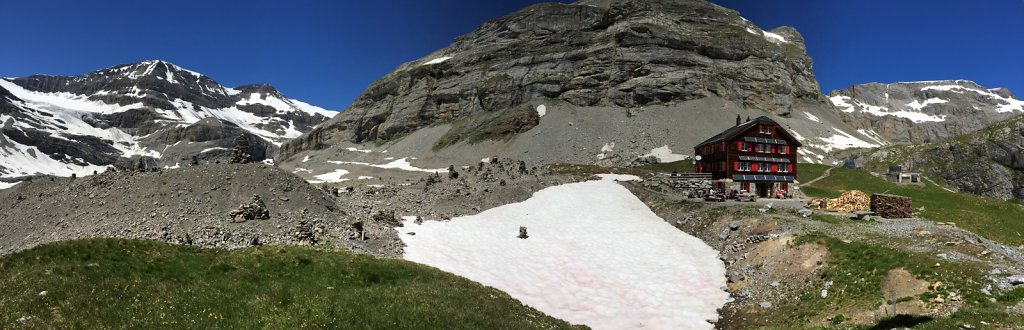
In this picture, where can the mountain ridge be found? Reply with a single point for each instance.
(138, 112)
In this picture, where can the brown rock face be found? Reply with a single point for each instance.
(589, 54)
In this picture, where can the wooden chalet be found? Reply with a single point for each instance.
(759, 155)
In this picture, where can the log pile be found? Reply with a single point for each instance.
(853, 200)
(891, 206)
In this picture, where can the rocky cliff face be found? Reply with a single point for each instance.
(629, 56)
(988, 162)
(927, 111)
(153, 113)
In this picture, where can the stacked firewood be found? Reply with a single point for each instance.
(890, 206)
(853, 200)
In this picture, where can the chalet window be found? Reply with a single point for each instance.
(784, 168)
(763, 148)
(784, 150)
(766, 129)
(764, 167)
(744, 166)
(744, 146)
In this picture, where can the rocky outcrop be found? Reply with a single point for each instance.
(153, 110)
(989, 162)
(923, 112)
(625, 54)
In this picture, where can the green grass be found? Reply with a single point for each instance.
(989, 217)
(807, 172)
(682, 166)
(856, 270)
(113, 283)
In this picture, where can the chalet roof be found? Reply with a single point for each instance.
(737, 130)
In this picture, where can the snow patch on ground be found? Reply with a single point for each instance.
(812, 117)
(576, 264)
(665, 155)
(299, 169)
(773, 37)
(399, 164)
(542, 110)
(330, 177)
(843, 140)
(1005, 104)
(438, 60)
(365, 151)
(871, 134)
(365, 177)
(797, 135)
(916, 105)
(5, 185)
(305, 159)
(844, 104)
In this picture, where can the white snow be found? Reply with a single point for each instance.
(20, 160)
(812, 117)
(797, 135)
(596, 255)
(330, 177)
(920, 105)
(305, 159)
(843, 140)
(213, 149)
(1005, 104)
(485, 160)
(365, 177)
(299, 169)
(871, 134)
(773, 37)
(843, 103)
(399, 164)
(665, 155)
(365, 151)
(542, 110)
(437, 60)
(5, 185)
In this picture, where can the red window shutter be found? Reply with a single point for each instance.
(753, 167)
(739, 146)
(736, 166)
(775, 167)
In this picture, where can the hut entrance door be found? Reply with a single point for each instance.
(764, 189)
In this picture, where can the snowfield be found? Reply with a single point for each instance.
(596, 255)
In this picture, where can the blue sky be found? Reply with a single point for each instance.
(327, 52)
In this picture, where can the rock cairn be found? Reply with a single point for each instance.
(241, 154)
(253, 210)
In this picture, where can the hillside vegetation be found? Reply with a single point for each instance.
(115, 283)
(996, 219)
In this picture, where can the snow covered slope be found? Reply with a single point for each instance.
(595, 255)
(62, 125)
(924, 111)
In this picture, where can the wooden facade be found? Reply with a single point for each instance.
(758, 154)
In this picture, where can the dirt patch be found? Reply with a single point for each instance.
(900, 283)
